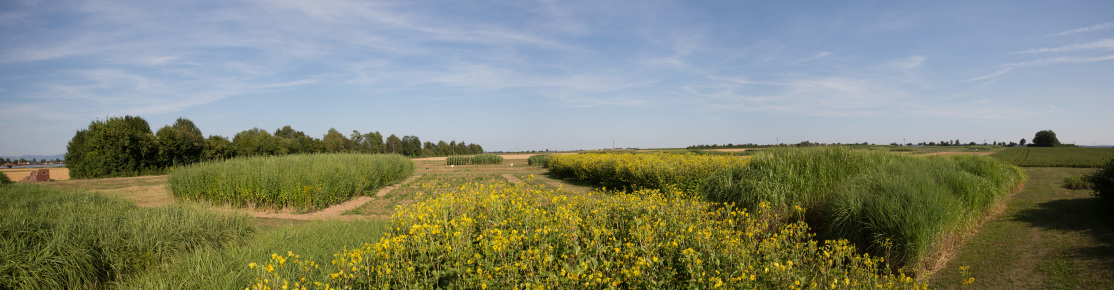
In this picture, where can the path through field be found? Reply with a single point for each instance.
(335, 211)
(1049, 237)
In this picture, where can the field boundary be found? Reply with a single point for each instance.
(335, 211)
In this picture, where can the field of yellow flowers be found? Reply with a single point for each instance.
(507, 236)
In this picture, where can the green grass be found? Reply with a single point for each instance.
(1055, 156)
(306, 182)
(227, 268)
(1049, 237)
(52, 239)
(479, 159)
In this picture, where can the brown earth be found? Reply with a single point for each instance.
(17, 174)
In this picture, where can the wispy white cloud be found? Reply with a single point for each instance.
(1041, 62)
(1107, 44)
(1096, 27)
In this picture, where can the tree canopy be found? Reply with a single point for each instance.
(1045, 138)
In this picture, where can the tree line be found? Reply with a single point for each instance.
(126, 146)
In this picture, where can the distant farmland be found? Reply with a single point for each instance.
(1055, 156)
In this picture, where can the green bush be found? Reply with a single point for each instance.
(1078, 182)
(4, 179)
(1103, 182)
(539, 160)
(306, 182)
(51, 239)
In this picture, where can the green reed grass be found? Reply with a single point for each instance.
(538, 160)
(897, 205)
(51, 239)
(227, 267)
(306, 182)
(479, 159)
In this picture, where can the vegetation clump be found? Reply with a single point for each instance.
(1078, 182)
(479, 159)
(538, 160)
(306, 182)
(4, 180)
(52, 239)
(633, 171)
(504, 236)
(1103, 183)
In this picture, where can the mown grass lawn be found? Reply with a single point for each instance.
(1050, 237)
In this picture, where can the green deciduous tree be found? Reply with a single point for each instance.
(254, 142)
(180, 144)
(118, 146)
(219, 148)
(336, 142)
(393, 145)
(1045, 138)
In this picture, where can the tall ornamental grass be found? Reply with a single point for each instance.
(51, 239)
(900, 206)
(306, 182)
(479, 159)
(538, 160)
(909, 211)
(631, 171)
(503, 236)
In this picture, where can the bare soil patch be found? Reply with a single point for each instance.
(17, 174)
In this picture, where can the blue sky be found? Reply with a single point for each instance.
(560, 75)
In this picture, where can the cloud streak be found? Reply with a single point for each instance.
(1104, 44)
(1097, 27)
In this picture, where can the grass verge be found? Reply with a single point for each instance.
(1050, 237)
(65, 240)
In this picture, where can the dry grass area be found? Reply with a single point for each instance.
(56, 173)
(147, 191)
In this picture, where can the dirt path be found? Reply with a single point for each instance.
(512, 179)
(335, 211)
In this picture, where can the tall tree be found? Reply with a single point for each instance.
(181, 143)
(1045, 138)
(1022, 142)
(118, 146)
(374, 142)
(219, 148)
(411, 146)
(336, 142)
(255, 142)
(393, 145)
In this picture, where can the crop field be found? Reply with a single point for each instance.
(306, 182)
(507, 236)
(827, 217)
(661, 171)
(1055, 156)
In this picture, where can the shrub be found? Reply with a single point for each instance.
(306, 182)
(1078, 182)
(71, 240)
(4, 179)
(539, 160)
(503, 236)
(1103, 182)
